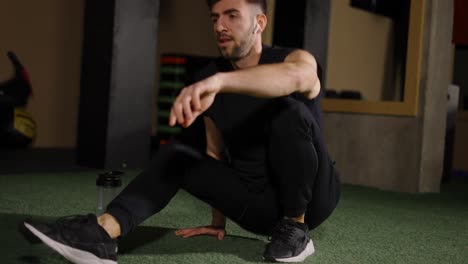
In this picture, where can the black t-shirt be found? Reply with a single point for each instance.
(242, 119)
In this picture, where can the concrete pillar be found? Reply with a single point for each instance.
(117, 83)
(439, 25)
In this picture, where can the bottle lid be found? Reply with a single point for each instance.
(109, 179)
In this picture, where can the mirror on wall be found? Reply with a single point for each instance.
(373, 58)
(369, 50)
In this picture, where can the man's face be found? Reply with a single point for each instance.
(234, 23)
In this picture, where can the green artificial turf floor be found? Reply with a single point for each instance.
(369, 226)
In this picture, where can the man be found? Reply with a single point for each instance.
(266, 166)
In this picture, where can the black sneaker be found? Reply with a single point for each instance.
(80, 239)
(289, 243)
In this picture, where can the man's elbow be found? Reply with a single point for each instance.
(215, 154)
(315, 91)
(308, 84)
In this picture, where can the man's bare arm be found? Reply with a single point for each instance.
(298, 73)
(218, 223)
(214, 149)
(214, 139)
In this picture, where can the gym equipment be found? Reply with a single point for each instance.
(15, 91)
(17, 126)
(176, 72)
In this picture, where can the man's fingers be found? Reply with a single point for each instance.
(190, 232)
(201, 231)
(181, 232)
(187, 231)
(178, 109)
(172, 117)
(184, 231)
(194, 232)
(221, 235)
(189, 122)
(177, 115)
(196, 99)
(187, 110)
(187, 106)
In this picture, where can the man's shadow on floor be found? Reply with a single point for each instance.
(150, 240)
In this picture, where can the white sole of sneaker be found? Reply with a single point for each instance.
(309, 250)
(72, 254)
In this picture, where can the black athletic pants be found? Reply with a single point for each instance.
(303, 179)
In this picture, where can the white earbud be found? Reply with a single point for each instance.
(255, 28)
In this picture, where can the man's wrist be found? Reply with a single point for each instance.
(218, 226)
(221, 223)
(220, 78)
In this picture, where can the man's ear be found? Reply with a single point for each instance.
(261, 23)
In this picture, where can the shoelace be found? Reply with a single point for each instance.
(72, 221)
(282, 232)
(68, 226)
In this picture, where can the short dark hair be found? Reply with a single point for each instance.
(261, 3)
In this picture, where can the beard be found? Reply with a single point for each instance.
(236, 53)
(241, 50)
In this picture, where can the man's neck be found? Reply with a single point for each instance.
(252, 59)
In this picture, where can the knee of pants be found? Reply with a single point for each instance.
(292, 119)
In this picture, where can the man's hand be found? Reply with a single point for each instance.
(210, 230)
(193, 100)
